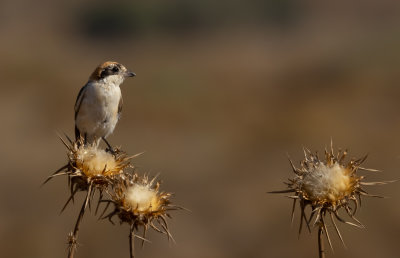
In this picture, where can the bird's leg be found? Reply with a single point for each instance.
(110, 149)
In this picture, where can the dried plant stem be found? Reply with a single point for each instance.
(321, 250)
(74, 236)
(132, 242)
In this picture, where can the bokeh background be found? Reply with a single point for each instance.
(224, 90)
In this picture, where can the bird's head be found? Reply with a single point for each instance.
(111, 72)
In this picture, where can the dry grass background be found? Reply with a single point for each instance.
(216, 110)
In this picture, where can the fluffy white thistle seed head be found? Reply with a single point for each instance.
(328, 182)
(95, 161)
(142, 198)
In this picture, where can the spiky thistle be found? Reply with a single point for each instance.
(328, 185)
(138, 202)
(89, 168)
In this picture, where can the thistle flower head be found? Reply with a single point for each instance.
(139, 202)
(90, 166)
(327, 186)
(142, 199)
(94, 162)
(329, 182)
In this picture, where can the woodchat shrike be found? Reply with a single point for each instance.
(99, 103)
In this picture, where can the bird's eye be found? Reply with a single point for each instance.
(115, 69)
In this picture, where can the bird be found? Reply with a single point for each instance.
(99, 102)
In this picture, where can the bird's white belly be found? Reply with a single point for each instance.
(98, 113)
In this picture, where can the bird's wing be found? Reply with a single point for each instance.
(78, 102)
(121, 102)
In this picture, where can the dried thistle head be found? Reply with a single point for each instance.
(139, 202)
(92, 161)
(90, 166)
(328, 185)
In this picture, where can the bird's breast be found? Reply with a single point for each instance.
(105, 99)
(99, 109)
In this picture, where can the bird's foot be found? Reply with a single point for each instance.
(109, 148)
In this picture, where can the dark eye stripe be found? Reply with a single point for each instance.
(110, 70)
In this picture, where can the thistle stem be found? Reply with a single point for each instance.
(321, 250)
(74, 237)
(132, 242)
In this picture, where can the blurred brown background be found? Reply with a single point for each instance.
(224, 89)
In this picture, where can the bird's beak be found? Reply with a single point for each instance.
(129, 74)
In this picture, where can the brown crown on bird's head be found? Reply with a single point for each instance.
(110, 68)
